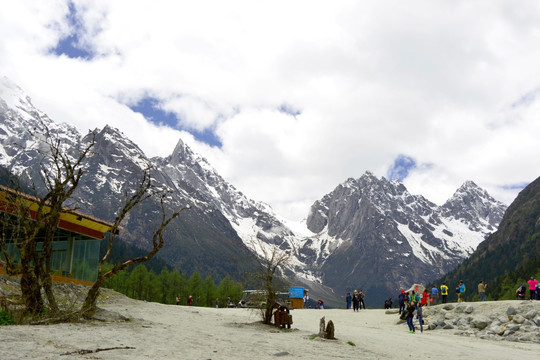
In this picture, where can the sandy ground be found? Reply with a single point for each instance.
(159, 331)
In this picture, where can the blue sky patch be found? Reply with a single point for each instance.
(70, 45)
(150, 108)
(401, 167)
(289, 110)
(518, 186)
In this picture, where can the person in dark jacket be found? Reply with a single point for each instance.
(401, 299)
(355, 301)
(410, 315)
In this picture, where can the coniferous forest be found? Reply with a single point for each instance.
(164, 287)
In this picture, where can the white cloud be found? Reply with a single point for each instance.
(452, 85)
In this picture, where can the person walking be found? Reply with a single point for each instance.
(410, 315)
(361, 297)
(355, 301)
(444, 292)
(306, 299)
(348, 300)
(461, 291)
(401, 299)
(482, 290)
(532, 288)
(419, 317)
(434, 295)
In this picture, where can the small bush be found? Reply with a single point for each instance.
(5, 318)
(351, 343)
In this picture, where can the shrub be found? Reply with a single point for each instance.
(5, 318)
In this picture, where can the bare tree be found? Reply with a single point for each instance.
(37, 217)
(33, 217)
(271, 260)
(144, 192)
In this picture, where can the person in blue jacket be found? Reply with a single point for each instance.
(461, 294)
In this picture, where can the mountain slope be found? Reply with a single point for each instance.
(200, 239)
(514, 245)
(383, 238)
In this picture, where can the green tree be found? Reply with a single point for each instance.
(209, 292)
(138, 281)
(195, 287)
(164, 280)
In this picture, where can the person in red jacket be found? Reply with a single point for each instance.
(425, 297)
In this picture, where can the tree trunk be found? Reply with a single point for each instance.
(31, 292)
(89, 307)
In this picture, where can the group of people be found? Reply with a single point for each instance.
(410, 305)
(356, 300)
(534, 290)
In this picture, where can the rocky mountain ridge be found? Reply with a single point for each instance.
(368, 232)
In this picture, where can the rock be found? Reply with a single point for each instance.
(511, 311)
(440, 321)
(527, 337)
(330, 330)
(448, 307)
(322, 325)
(480, 323)
(391, 311)
(508, 332)
(518, 319)
(501, 330)
(469, 309)
(283, 353)
(529, 315)
(462, 321)
(448, 327)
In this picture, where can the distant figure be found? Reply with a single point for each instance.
(401, 300)
(520, 292)
(355, 300)
(414, 298)
(229, 302)
(388, 303)
(320, 304)
(178, 300)
(348, 300)
(361, 297)
(190, 300)
(444, 292)
(425, 297)
(434, 295)
(532, 288)
(419, 317)
(410, 314)
(461, 291)
(306, 299)
(482, 290)
(217, 303)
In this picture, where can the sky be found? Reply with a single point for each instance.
(288, 99)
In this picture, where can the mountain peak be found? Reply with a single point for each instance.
(14, 96)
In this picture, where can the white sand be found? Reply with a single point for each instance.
(179, 332)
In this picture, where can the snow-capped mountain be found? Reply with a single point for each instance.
(368, 232)
(373, 234)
